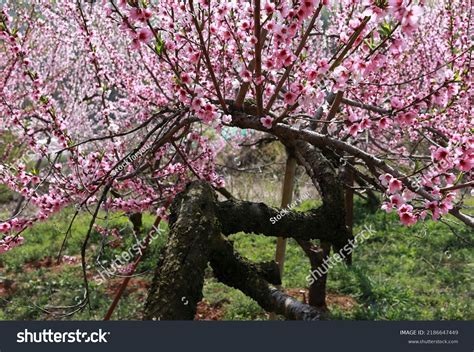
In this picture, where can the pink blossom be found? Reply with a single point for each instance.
(445, 206)
(395, 185)
(137, 14)
(466, 163)
(450, 178)
(246, 75)
(259, 80)
(143, 36)
(387, 206)
(440, 98)
(290, 98)
(396, 103)
(397, 46)
(433, 207)
(269, 7)
(70, 259)
(385, 179)
(341, 75)
(384, 123)
(365, 124)
(186, 78)
(267, 122)
(194, 57)
(323, 66)
(227, 119)
(126, 269)
(354, 129)
(5, 227)
(411, 18)
(440, 154)
(408, 195)
(397, 200)
(10, 242)
(406, 118)
(405, 212)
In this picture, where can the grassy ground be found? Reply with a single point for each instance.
(418, 273)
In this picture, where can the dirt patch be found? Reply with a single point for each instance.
(208, 311)
(47, 262)
(344, 302)
(134, 285)
(216, 311)
(7, 287)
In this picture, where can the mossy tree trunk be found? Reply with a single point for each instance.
(179, 280)
(198, 226)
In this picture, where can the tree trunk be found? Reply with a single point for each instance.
(180, 278)
(235, 271)
(194, 241)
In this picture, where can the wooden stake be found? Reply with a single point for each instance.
(349, 204)
(286, 199)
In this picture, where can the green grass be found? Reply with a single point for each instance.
(5, 194)
(419, 273)
(39, 285)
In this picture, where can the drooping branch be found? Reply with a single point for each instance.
(233, 270)
(290, 135)
(194, 241)
(236, 216)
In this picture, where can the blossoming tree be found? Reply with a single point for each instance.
(117, 105)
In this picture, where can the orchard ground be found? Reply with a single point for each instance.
(399, 273)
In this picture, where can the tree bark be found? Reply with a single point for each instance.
(235, 271)
(241, 216)
(317, 255)
(180, 278)
(195, 240)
